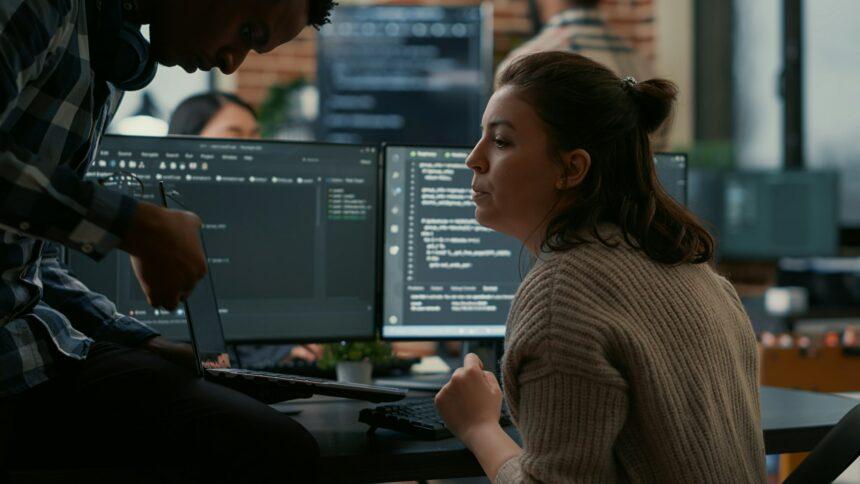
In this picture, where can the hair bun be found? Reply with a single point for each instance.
(655, 99)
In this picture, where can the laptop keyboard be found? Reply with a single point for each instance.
(279, 376)
(393, 368)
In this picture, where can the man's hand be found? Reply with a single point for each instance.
(166, 253)
(178, 353)
(471, 400)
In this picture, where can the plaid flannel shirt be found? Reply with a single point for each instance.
(53, 111)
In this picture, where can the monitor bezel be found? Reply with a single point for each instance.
(686, 156)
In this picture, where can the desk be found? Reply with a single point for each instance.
(793, 421)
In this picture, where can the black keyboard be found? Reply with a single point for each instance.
(416, 417)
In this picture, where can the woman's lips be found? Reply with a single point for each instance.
(478, 195)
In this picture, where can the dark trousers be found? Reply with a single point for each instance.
(130, 409)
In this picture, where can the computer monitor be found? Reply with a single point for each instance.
(849, 189)
(291, 232)
(404, 74)
(672, 174)
(444, 275)
(773, 214)
(706, 189)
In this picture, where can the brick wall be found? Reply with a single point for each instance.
(633, 19)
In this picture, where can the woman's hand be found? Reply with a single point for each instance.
(470, 401)
(471, 404)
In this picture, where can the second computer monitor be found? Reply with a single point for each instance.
(672, 174)
(290, 228)
(445, 276)
(772, 214)
(404, 73)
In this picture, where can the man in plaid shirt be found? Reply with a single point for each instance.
(80, 384)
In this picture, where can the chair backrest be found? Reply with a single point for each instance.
(836, 451)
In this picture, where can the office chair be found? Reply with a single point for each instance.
(836, 451)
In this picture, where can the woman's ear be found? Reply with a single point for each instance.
(576, 164)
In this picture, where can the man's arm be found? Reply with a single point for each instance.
(44, 198)
(59, 206)
(168, 258)
(96, 316)
(89, 312)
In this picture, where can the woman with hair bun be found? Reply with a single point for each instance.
(627, 357)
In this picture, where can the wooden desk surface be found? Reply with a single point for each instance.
(792, 420)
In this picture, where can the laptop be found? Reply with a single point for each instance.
(213, 360)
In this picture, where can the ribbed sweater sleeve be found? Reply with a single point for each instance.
(579, 452)
(560, 376)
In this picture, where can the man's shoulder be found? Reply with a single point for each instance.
(32, 25)
(46, 10)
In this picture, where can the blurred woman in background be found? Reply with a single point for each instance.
(215, 115)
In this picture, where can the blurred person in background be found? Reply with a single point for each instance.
(215, 115)
(580, 27)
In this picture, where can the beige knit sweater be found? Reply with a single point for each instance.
(620, 369)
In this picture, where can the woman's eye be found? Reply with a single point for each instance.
(500, 143)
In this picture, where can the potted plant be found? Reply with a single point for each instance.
(353, 361)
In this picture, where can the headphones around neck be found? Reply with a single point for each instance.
(120, 53)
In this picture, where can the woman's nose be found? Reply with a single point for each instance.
(475, 161)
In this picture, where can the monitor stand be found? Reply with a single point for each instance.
(489, 351)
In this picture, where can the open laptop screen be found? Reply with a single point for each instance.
(201, 307)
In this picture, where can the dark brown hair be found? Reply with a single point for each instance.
(320, 12)
(195, 112)
(584, 105)
(583, 3)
